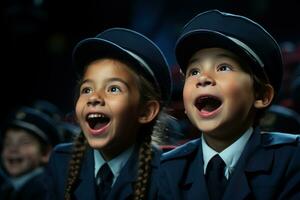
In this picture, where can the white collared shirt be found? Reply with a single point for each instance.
(116, 164)
(230, 155)
(18, 182)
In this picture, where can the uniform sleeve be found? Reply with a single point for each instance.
(165, 186)
(50, 179)
(291, 188)
(56, 173)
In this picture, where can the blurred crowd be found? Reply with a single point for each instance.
(284, 115)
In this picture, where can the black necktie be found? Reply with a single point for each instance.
(106, 178)
(215, 179)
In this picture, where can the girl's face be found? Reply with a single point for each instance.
(108, 107)
(21, 152)
(218, 94)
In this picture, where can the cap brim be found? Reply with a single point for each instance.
(31, 128)
(194, 41)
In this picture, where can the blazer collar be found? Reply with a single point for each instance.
(259, 157)
(124, 184)
(255, 158)
(194, 155)
(86, 186)
(194, 182)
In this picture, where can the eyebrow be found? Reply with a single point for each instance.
(228, 55)
(191, 61)
(221, 55)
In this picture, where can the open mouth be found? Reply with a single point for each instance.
(15, 161)
(208, 103)
(97, 120)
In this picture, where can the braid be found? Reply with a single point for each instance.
(75, 164)
(144, 170)
(148, 92)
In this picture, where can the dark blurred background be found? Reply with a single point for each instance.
(37, 37)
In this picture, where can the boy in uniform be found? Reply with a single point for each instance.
(28, 138)
(233, 70)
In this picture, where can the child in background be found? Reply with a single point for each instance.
(125, 82)
(28, 138)
(67, 128)
(233, 70)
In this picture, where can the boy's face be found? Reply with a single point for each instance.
(218, 94)
(21, 152)
(108, 106)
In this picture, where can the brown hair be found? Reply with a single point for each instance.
(260, 80)
(148, 91)
(79, 148)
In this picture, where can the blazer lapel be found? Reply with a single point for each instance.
(194, 183)
(86, 183)
(254, 159)
(123, 186)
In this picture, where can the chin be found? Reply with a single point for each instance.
(207, 126)
(97, 144)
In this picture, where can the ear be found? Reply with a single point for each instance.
(265, 99)
(46, 155)
(149, 111)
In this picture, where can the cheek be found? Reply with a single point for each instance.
(79, 108)
(241, 87)
(32, 157)
(33, 151)
(124, 109)
(234, 90)
(124, 104)
(4, 154)
(187, 91)
(241, 96)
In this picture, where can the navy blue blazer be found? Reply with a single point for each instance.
(34, 188)
(85, 188)
(268, 169)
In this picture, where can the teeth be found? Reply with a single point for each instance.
(96, 115)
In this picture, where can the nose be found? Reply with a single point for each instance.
(95, 100)
(205, 80)
(13, 146)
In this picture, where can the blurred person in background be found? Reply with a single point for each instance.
(28, 137)
(280, 119)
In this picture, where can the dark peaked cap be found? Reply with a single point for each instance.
(129, 45)
(236, 33)
(36, 122)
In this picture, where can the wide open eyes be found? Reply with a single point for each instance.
(86, 90)
(193, 72)
(114, 89)
(224, 67)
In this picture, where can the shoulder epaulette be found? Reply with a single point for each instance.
(278, 138)
(181, 151)
(64, 148)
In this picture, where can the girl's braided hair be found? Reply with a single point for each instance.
(80, 145)
(148, 92)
